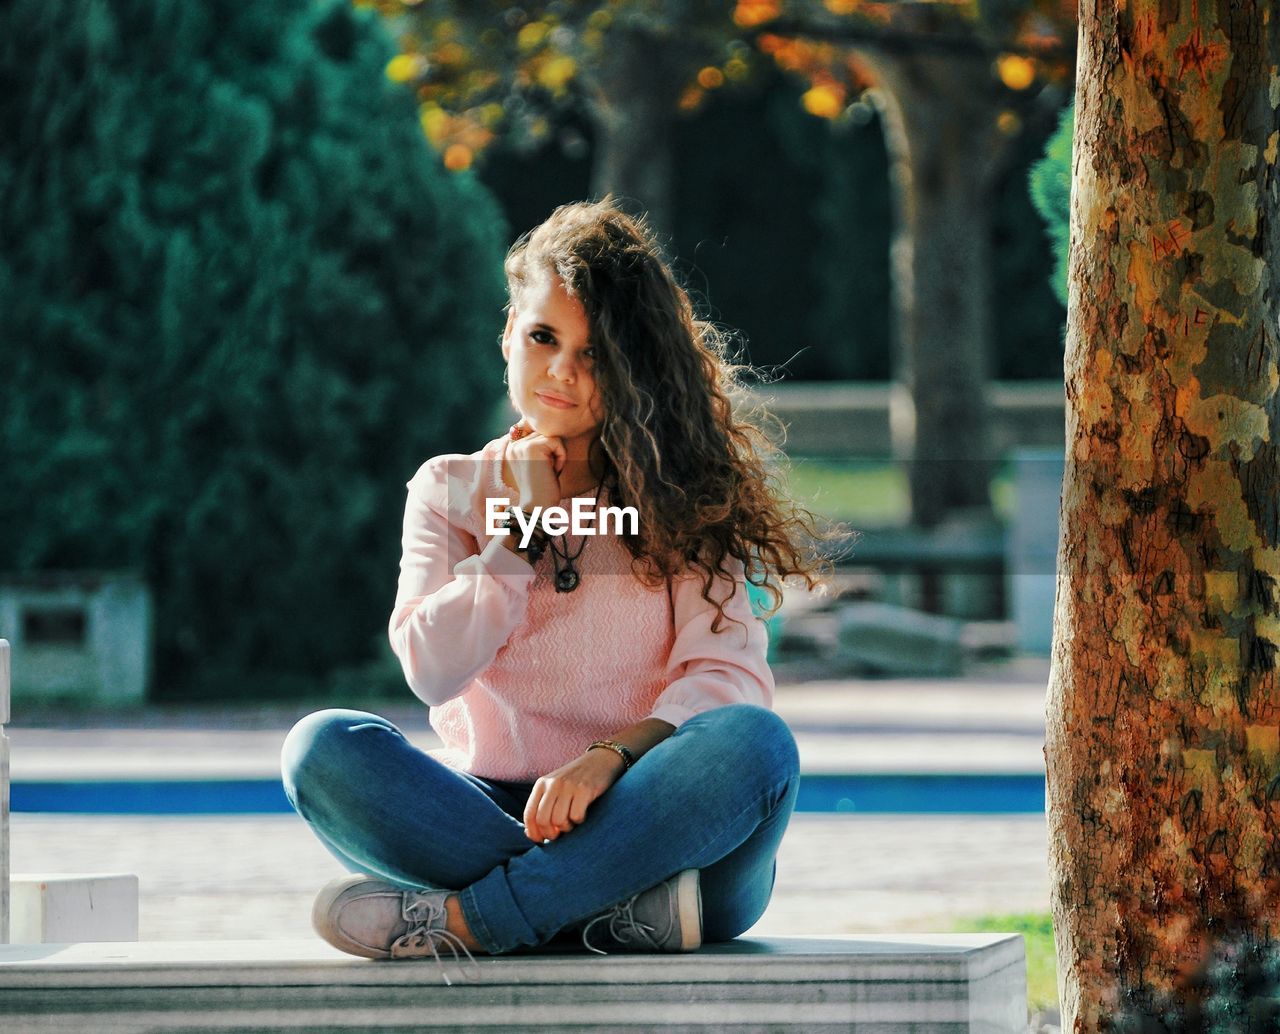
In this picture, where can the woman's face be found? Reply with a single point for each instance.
(550, 361)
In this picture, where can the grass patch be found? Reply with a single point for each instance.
(1037, 931)
(863, 492)
(867, 492)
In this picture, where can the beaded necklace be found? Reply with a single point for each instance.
(567, 576)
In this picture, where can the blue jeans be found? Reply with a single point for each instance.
(716, 796)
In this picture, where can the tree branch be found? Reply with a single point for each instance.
(893, 40)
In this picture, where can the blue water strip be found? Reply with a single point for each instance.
(922, 793)
(860, 794)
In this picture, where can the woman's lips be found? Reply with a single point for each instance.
(554, 402)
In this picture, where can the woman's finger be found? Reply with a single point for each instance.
(553, 813)
(531, 811)
(578, 812)
(544, 812)
(560, 811)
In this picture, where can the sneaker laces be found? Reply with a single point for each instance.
(623, 927)
(426, 930)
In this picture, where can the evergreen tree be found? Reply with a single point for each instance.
(1051, 192)
(242, 302)
(1026, 324)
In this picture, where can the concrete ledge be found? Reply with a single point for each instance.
(54, 908)
(943, 984)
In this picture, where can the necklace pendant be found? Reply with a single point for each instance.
(566, 580)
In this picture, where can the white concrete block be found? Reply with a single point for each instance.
(57, 909)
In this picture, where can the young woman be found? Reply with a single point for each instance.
(611, 767)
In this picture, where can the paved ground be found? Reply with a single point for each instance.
(254, 876)
(988, 721)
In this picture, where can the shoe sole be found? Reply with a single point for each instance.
(688, 893)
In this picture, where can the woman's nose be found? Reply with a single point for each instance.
(564, 367)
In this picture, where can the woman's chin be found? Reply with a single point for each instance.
(548, 426)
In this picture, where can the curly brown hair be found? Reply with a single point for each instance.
(680, 435)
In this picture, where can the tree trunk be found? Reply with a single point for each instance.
(940, 115)
(632, 101)
(1163, 736)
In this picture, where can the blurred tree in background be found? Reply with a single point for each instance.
(765, 194)
(242, 302)
(780, 173)
(958, 87)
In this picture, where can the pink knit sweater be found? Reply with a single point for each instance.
(521, 678)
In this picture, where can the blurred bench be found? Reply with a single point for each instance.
(852, 418)
(943, 984)
(957, 569)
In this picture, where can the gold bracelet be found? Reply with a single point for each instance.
(628, 759)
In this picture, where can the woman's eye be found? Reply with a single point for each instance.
(545, 337)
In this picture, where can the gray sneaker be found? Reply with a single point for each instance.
(667, 917)
(369, 917)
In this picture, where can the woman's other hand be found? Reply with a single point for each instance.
(559, 800)
(533, 466)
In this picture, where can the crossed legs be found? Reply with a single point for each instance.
(715, 796)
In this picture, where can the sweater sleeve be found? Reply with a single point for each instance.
(710, 669)
(456, 605)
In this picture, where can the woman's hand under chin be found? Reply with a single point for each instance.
(559, 800)
(532, 465)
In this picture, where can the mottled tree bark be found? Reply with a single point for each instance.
(1163, 739)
